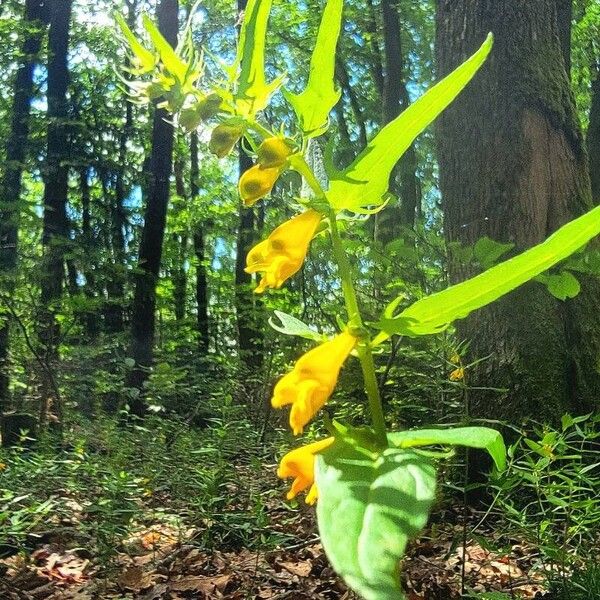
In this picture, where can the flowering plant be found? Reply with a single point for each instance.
(374, 487)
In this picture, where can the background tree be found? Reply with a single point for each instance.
(34, 16)
(513, 167)
(143, 323)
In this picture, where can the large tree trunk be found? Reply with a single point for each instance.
(143, 317)
(513, 167)
(200, 252)
(56, 226)
(10, 185)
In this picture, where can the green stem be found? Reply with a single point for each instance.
(365, 354)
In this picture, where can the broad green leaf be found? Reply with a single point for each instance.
(253, 92)
(561, 285)
(367, 511)
(472, 437)
(314, 104)
(434, 313)
(292, 326)
(168, 56)
(365, 182)
(144, 59)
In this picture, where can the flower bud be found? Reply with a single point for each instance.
(224, 138)
(273, 152)
(191, 117)
(257, 182)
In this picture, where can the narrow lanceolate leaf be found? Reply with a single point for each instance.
(143, 59)
(434, 313)
(253, 92)
(314, 104)
(168, 56)
(365, 182)
(472, 437)
(368, 509)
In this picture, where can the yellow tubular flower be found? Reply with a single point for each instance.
(312, 380)
(282, 254)
(457, 374)
(256, 183)
(300, 464)
(224, 138)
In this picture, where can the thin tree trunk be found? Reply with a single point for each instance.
(144, 302)
(10, 186)
(179, 275)
(200, 252)
(55, 228)
(513, 167)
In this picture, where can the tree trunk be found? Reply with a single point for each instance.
(181, 241)
(56, 227)
(10, 185)
(144, 302)
(200, 252)
(564, 20)
(513, 167)
(593, 134)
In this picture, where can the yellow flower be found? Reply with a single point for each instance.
(273, 152)
(282, 254)
(308, 386)
(455, 358)
(300, 464)
(457, 374)
(256, 183)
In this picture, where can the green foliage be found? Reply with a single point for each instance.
(434, 313)
(368, 509)
(314, 104)
(550, 492)
(365, 182)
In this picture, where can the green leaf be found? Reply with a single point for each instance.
(144, 59)
(487, 251)
(367, 511)
(472, 437)
(292, 326)
(365, 182)
(434, 313)
(561, 285)
(314, 104)
(168, 56)
(253, 92)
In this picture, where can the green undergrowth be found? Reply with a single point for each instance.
(106, 482)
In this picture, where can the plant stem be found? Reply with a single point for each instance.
(365, 354)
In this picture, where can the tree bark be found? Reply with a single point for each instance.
(143, 320)
(564, 20)
(34, 18)
(55, 227)
(179, 274)
(200, 252)
(513, 167)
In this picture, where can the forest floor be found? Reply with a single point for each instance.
(158, 560)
